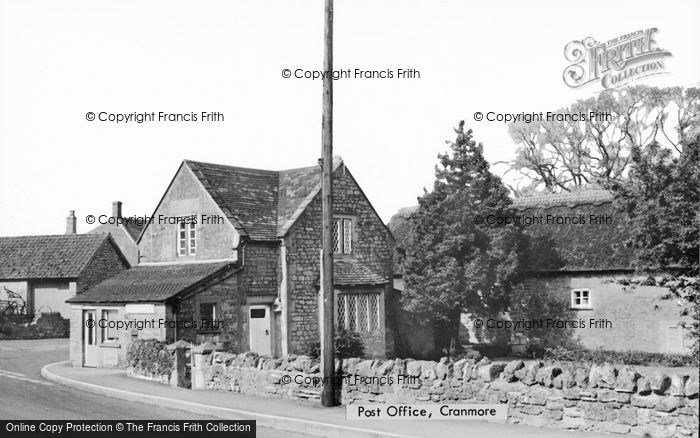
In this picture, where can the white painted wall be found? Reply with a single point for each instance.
(51, 296)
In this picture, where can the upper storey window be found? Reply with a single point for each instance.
(186, 238)
(342, 235)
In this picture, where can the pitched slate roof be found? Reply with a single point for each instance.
(151, 283)
(297, 189)
(351, 272)
(248, 195)
(50, 257)
(578, 248)
(262, 204)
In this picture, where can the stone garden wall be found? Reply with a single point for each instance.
(615, 399)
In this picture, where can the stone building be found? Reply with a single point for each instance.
(232, 255)
(584, 276)
(39, 273)
(581, 272)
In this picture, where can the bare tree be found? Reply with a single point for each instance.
(560, 155)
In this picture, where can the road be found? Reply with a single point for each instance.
(28, 396)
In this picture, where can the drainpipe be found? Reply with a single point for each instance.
(284, 299)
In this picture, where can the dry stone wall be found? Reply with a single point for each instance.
(605, 398)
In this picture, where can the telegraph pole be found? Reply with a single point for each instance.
(327, 314)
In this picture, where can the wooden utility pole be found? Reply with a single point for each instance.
(327, 314)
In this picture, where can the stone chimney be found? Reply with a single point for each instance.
(71, 223)
(116, 209)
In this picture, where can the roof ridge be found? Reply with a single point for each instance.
(230, 166)
(261, 204)
(290, 169)
(283, 228)
(571, 199)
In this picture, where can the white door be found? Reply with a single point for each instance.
(90, 343)
(259, 316)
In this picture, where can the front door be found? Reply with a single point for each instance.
(260, 329)
(90, 345)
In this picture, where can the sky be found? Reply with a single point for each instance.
(60, 60)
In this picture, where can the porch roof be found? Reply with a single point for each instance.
(351, 272)
(151, 283)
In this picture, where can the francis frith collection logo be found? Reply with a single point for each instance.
(616, 62)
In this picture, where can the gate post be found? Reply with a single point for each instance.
(179, 375)
(198, 363)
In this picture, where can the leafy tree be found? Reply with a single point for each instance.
(455, 264)
(561, 155)
(661, 197)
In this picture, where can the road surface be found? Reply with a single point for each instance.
(28, 396)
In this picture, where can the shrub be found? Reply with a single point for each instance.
(7, 329)
(492, 350)
(468, 353)
(347, 344)
(150, 357)
(535, 351)
(599, 356)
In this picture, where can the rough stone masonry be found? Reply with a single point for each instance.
(605, 398)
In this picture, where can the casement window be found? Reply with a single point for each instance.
(581, 299)
(207, 315)
(342, 235)
(186, 238)
(109, 333)
(358, 312)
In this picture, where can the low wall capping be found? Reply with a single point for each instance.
(603, 398)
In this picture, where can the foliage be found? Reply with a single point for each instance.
(7, 328)
(599, 356)
(661, 198)
(558, 155)
(455, 263)
(150, 357)
(647, 155)
(468, 353)
(49, 325)
(347, 344)
(477, 351)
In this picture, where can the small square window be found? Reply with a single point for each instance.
(257, 313)
(581, 299)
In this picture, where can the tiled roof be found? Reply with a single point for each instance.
(150, 283)
(350, 272)
(248, 195)
(263, 204)
(51, 257)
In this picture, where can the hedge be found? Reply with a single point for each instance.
(599, 356)
(150, 358)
